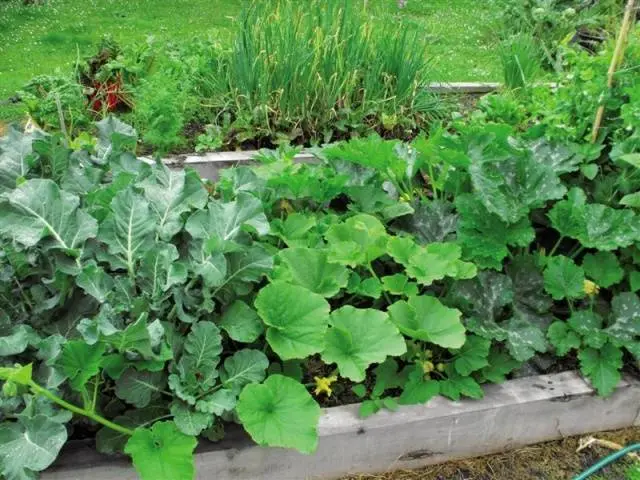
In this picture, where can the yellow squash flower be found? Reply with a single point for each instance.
(323, 385)
(591, 288)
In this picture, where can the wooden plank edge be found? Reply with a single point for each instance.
(515, 414)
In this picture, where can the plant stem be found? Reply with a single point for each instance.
(372, 271)
(38, 390)
(616, 60)
(555, 247)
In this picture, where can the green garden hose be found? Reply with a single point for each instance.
(607, 460)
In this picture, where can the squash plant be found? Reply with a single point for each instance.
(149, 308)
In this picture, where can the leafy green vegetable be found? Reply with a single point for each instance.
(603, 268)
(425, 318)
(29, 445)
(296, 318)
(594, 225)
(563, 278)
(162, 452)
(281, 413)
(359, 337)
(602, 367)
(310, 269)
(512, 187)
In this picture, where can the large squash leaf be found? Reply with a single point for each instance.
(296, 319)
(512, 187)
(485, 237)
(280, 413)
(425, 318)
(358, 338)
(310, 268)
(594, 225)
(162, 452)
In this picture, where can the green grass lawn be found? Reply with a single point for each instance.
(39, 39)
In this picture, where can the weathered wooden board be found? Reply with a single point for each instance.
(517, 413)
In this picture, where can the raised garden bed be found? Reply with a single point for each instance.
(512, 415)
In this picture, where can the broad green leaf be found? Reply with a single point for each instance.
(138, 388)
(160, 270)
(114, 136)
(223, 223)
(500, 365)
(110, 441)
(162, 452)
(399, 284)
(432, 221)
(483, 300)
(53, 156)
(588, 325)
(170, 194)
(631, 200)
(294, 230)
(202, 349)
(189, 421)
(602, 367)
(297, 319)
(625, 317)
(249, 265)
(563, 278)
(280, 413)
(402, 249)
(371, 152)
(457, 385)
(95, 281)
(485, 237)
(129, 227)
(524, 338)
(21, 337)
(529, 297)
(241, 322)
(368, 408)
(418, 390)
(15, 153)
(358, 241)
(18, 374)
(242, 368)
(632, 159)
(559, 157)
(135, 337)
(589, 171)
(39, 210)
(358, 338)
(81, 362)
(437, 261)
(29, 445)
(512, 187)
(425, 318)
(210, 264)
(594, 225)
(472, 356)
(310, 268)
(369, 287)
(603, 268)
(217, 402)
(563, 338)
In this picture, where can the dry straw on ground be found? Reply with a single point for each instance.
(546, 461)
